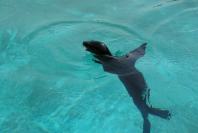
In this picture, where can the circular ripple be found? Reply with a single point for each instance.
(57, 48)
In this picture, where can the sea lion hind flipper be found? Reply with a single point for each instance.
(165, 114)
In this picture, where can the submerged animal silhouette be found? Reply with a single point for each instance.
(133, 80)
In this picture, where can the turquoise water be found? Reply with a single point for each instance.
(49, 84)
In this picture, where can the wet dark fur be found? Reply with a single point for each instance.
(97, 48)
(133, 80)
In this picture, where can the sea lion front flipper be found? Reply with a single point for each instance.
(104, 58)
(109, 63)
(138, 52)
(96, 61)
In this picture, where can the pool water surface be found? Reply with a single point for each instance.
(49, 83)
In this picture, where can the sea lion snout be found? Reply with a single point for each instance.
(96, 47)
(86, 43)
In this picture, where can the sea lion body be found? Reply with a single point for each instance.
(132, 79)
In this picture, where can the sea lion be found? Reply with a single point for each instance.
(133, 80)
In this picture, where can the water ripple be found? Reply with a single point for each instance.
(33, 34)
(169, 19)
